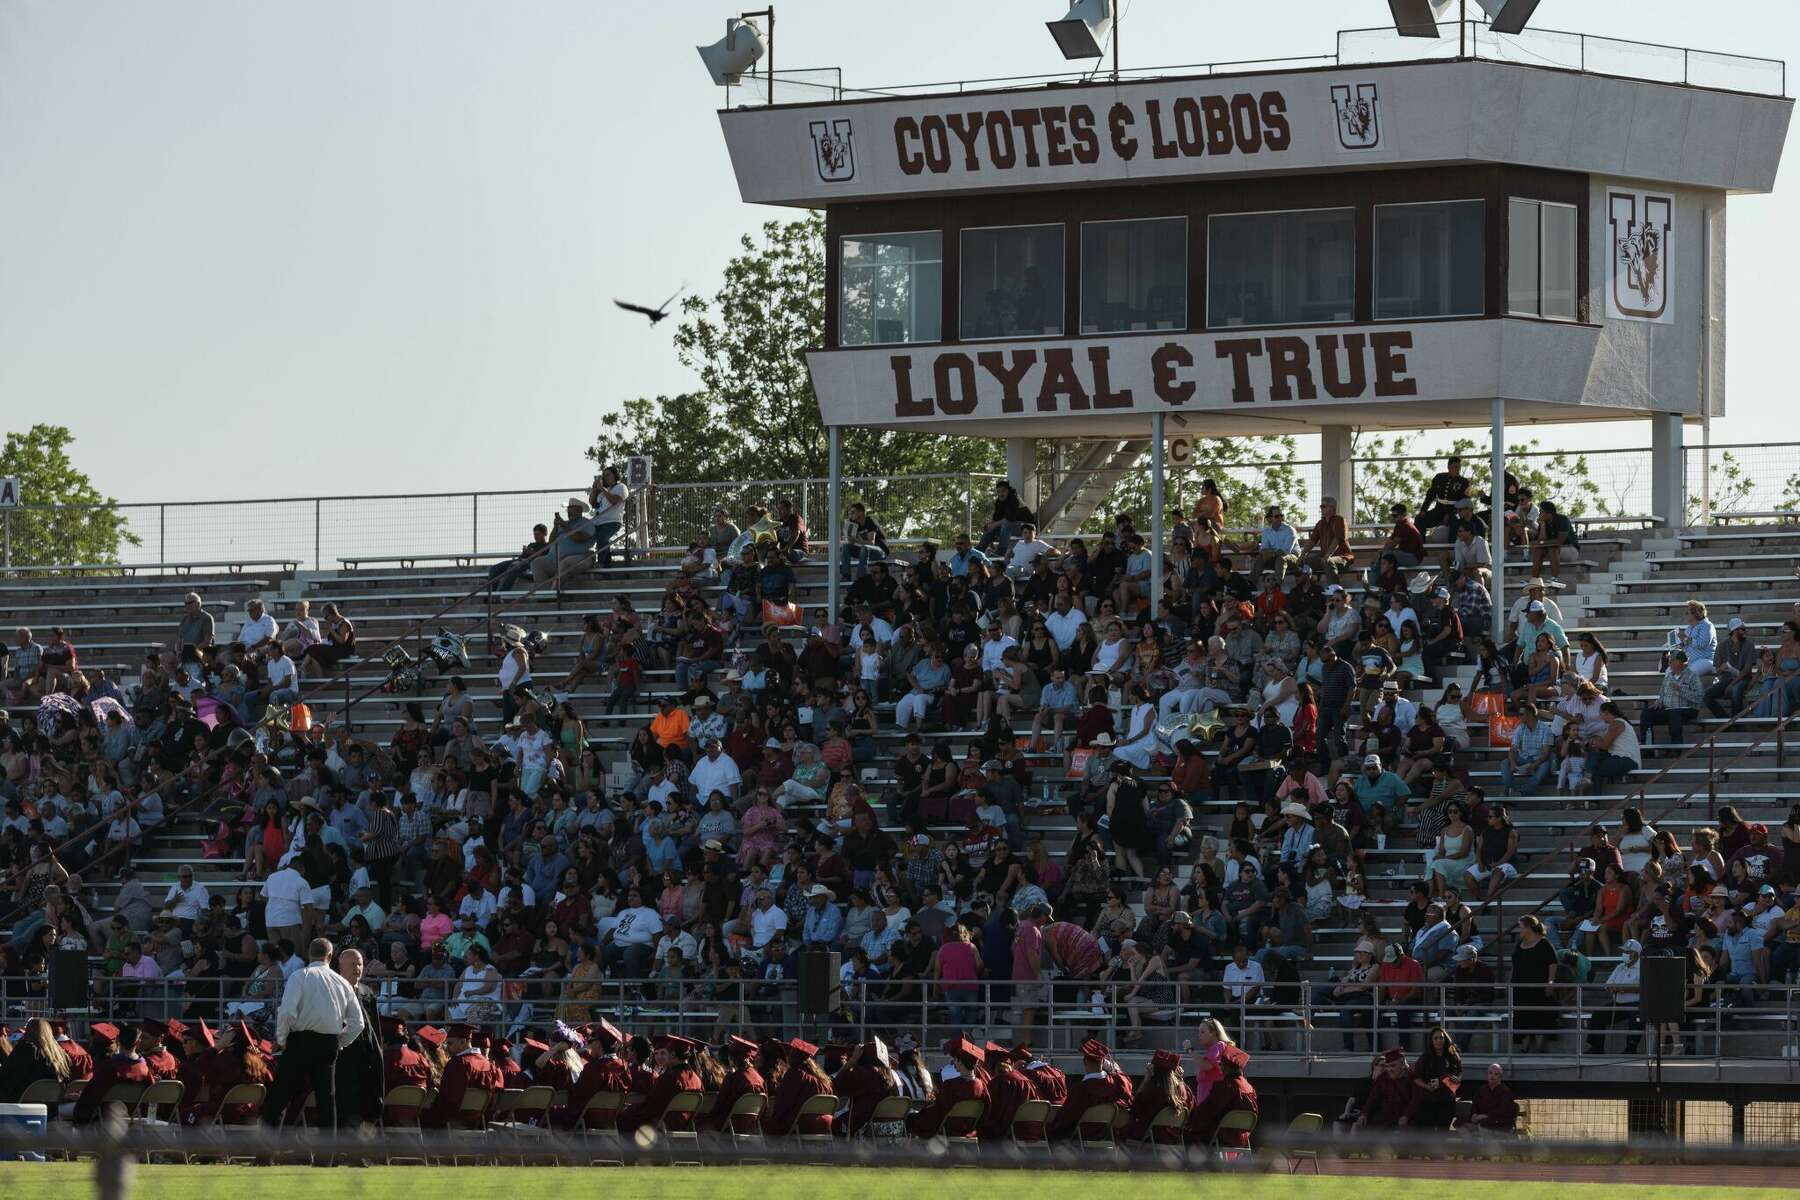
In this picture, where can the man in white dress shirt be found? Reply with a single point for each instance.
(319, 1016)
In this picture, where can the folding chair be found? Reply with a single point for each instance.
(47, 1092)
(1464, 1108)
(218, 1127)
(1239, 1120)
(687, 1103)
(751, 1106)
(1304, 1125)
(1168, 1118)
(599, 1123)
(889, 1111)
(475, 1104)
(1103, 1119)
(402, 1096)
(969, 1111)
(815, 1106)
(164, 1093)
(506, 1103)
(1028, 1125)
(538, 1098)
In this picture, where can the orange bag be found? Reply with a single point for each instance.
(780, 614)
(1500, 729)
(1078, 761)
(1486, 704)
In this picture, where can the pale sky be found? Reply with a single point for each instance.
(260, 249)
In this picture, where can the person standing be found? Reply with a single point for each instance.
(381, 846)
(320, 1015)
(360, 1064)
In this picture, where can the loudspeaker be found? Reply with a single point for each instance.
(68, 979)
(821, 993)
(1662, 988)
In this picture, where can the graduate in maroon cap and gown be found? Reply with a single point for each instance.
(510, 1069)
(866, 1080)
(678, 1077)
(468, 1068)
(1101, 1083)
(638, 1052)
(1232, 1093)
(199, 1049)
(401, 1066)
(1163, 1086)
(958, 1082)
(153, 1044)
(1007, 1089)
(799, 1083)
(1390, 1095)
(743, 1079)
(1048, 1083)
(81, 1063)
(605, 1072)
(126, 1067)
(242, 1061)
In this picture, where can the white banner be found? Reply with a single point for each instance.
(1641, 256)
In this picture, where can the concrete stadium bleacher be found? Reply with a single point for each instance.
(1628, 589)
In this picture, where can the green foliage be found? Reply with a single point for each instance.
(1790, 496)
(1733, 489)
(1248, 490)
(1388, 469)
(83, 527)
(755, 416)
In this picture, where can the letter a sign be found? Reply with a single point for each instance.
(9, 491)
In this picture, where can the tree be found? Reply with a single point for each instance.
(755, 417)
(1252, 473)
(1386, 472)
(65, 518)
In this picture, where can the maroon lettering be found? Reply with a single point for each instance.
(911, 161)
(1170, 357)
(1056, 137)
(1028, 119)
(1342, 387)
(1159, 146)
(1240, 351)
(937, 144)
(994, 363)
(1289, 360)
(1081, 128)
(1218, 124)
(1245, 125)
(967, 128)
(1104, 396)
(1000, 142)
(957, 400)
(1118, 124)
(1276, 134)
(1190, 132)
(904, 404)
(1060, 379)
(1390, 365)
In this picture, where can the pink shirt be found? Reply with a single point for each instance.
(956, 962)
(434, 929)
(1028, 943)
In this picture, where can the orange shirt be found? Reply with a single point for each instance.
(670, 731)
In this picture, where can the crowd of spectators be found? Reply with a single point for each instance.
(1241, 750)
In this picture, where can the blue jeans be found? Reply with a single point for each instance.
(688, 670)
(1289, 952)
(1540, 775)
(855, 559)
(1000, 537)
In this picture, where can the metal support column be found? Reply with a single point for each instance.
(834, 536)
(1156, 512)
(1497, 541)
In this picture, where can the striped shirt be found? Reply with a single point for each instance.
(384, 834)
(1072, 948)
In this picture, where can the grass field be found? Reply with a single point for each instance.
(60, 1181)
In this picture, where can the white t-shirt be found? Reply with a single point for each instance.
(610, 504)
(765, 923)
(1063, 626)
(533, 750)
(636, 926)
(1239, 980)
(711, 775)
(281, 671)
(283, 894)
(1025, 554)
(256, 631)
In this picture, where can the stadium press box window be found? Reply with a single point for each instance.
(1540, 259)
(1281, 268)
(1134, 275)
(1012, 282)
(890, 288)
(1428, 260)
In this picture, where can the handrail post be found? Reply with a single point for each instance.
(1712, 785)
(317, 503)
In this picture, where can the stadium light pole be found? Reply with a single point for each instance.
(1156, 511)
(1497, 516)
(1087, 26)
(834, 484)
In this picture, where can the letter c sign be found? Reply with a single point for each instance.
(1180, 452)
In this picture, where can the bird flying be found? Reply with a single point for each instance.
(655, 314)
